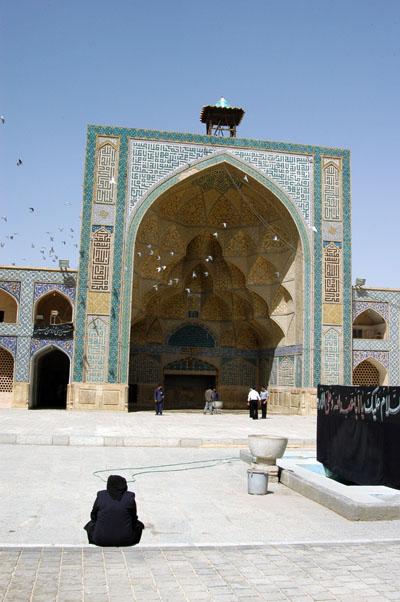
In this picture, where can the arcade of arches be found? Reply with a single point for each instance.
(217, 288)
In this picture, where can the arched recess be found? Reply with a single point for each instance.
(225, 254)
(8, 308)
(6, 371)
(370, 372)
(53, 308)
(370, 325)
(185, 381)
(50, 375)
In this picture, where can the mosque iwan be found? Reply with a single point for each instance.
(205, 260)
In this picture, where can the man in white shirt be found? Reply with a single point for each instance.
(253, 398)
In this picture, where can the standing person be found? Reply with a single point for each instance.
(158, 399)
(209, 397)
(253, 398)
(264, 402)
(114, 520)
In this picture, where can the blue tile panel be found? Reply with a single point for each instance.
(247, 156)
(42, 289)
(66, 346)
(145, 369)
(386, 303)
(28, 279)
(381, 356)
(12, 287)
(238, 372)
(9, 343)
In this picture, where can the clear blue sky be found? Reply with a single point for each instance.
(322, 73)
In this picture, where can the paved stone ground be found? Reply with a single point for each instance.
(205, 537)
(139, 429)
(350, 572)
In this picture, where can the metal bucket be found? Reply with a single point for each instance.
(257, 482)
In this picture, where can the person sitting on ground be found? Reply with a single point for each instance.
(114, 520)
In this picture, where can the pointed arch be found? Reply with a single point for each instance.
(6, 370)
(370, 324)
(53, 300)
(370, 372)
(8, 307)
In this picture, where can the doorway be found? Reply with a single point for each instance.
(51, 377)
(186, 391)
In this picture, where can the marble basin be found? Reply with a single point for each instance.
(267, 448)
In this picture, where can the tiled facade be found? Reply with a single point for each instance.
(128, 172)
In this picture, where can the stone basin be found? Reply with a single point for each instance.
(218, 405)
(267, 448)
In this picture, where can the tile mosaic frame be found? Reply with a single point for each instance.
(312, 349)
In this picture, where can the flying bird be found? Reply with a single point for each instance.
(149, 246)
(215, 234)
(31, 209)
(112, 181)
(275, 238)
(194, 275)
(206, 274)
(223, 224)
(67, 203)
(76, 246)
(63, 242)
(2, 244)
(314, 228)
(139, 253)
(245, 178)
(4, 218)
(60, 228)
(171, 253)
(155, 286)
(187, 290)
(158, 269)
(2, 119)
(151, 252)
(32, 246)
(19, 162)
(169, 283)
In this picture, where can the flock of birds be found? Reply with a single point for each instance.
(63, 236)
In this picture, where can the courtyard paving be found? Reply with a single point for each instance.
(205, 537)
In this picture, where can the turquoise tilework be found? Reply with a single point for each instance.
(347, 287)
(29, 278)
(66, 346)
(391, 299)
(122, 345)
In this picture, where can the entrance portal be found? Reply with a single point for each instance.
(186, 391)
(51, 377)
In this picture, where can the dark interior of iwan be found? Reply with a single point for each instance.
(217, 288)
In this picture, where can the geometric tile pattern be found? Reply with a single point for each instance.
(43, 288)
(379, 307)
(332, 314)
(381, 356)
(96, 350)
(103, 214)
(46, 280)
(292, 173)
(98, 303)
(332, 231)
(9, 343)
(332, 357)
(67, 346)
(144, 369)
(374, 344)
(387, 304)
(286, 372)
(14, 288)
(6, 371)
(238, 372)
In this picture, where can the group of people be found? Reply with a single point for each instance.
(210, 396)
(255, 398)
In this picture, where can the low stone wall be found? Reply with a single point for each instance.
(295, 402)
(104, 397)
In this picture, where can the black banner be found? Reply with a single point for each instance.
(358, 433)
(53, 331)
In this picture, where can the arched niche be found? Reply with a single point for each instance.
(369, 325)
(370, 372)
(53, 308)
(6, 371)
(8, 308)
